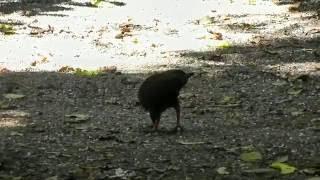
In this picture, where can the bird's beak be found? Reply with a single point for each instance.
(189, 75)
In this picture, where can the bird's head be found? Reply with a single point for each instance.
(186, 78)
(188, 75)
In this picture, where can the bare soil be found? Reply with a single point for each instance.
(259, 96)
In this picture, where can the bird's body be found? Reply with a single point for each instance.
(160, 91)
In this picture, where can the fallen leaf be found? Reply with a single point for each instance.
(190, 143)
(296, 113)
(226, 99)
(87, 73)
(14, 113)
(203, 37)
(4, 70)
(294, 91)
(66, 69)
(216, 35)
(13, 96)
(247, 148)
(311, 171)
(315, 121)
(84, 127)
(7, 29)
(246, 26)
(135, 41)
(206, 20)
(173, 168)
(226, 18)
(15, 133)
(251, 156)
(95, 2)
(314, 178)
(282, 159)
(229, 100)
(52, 178)
(126, 29)
(119, 36)
(279, 83)
(222, 171)
(4, 105)
(283, 167)
(224, 45)
(259, 171)
(108, 69)
(77, 118)
(120, 172)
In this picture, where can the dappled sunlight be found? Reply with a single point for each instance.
(311, 68)
(11, 122)
(74, 79)
(91, 38)
(13, 118)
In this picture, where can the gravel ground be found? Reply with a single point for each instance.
(255, 90)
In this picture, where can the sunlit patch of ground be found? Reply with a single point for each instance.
(297, 68)
(10, 122)
(85, 37)
(12, 118)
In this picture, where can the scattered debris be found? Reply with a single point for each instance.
(222, 171)
(251, 156)
(76, 118)
(191, 143)
(283, 167)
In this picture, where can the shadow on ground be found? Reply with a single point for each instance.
(32, 8)
(76, 127)
(302, 6)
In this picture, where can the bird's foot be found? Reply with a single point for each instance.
(178, 129)
(151, 129)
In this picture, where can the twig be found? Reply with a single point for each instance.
(227, 105)
(190, 143)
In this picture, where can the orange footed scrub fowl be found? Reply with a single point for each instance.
(160, 91)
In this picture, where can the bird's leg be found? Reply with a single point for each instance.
(177, 108)
(153, 120)
(156, 124)
(155, 117)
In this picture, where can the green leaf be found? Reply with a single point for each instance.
(7, 29)
(95, 2)
(224, 45)
(251, 156)
(87, 73)
(283, 167)
(259, 171)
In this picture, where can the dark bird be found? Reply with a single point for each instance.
(160, 91)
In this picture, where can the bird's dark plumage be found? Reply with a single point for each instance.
(160, 91)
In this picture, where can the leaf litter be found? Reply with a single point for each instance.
(106, 140)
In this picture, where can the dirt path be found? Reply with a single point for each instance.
(256, 91)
